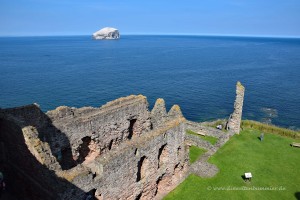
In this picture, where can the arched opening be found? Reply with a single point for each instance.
(88, 150)
(131, 128)
(142, 168)
(162, 155)
(163, 184)
(84, 149)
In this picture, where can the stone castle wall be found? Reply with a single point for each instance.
(106, 127)
(118, 151)
(234, 121)
(24, 165)
(146, 168)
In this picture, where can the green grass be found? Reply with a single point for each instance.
(210, 139)
(195, 153)
(271, 129)
(272, 162)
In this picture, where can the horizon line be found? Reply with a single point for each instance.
(164, 34)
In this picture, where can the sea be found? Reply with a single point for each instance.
(199, 73)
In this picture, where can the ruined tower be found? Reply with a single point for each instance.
(234, 121)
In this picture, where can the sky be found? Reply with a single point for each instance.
(278, 18)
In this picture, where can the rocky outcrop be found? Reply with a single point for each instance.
(107, 33)
(234, 121)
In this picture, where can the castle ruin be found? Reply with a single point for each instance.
(234, 121)
(118, 151)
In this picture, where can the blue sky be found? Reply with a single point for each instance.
(196, 17)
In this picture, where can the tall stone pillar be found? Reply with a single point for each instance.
(234, 121)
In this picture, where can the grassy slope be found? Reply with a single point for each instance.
(195, 153)
(210, 139)
(268, 128)
(272, 162)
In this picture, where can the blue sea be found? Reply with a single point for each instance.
(197, 72)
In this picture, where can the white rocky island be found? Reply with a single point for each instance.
(107, 33)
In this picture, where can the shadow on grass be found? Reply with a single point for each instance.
(297, 195)
(243, 177)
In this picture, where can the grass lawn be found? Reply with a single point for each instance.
(273, 163)
(195, 153)
(210, 139)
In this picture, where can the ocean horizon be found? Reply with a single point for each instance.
(196, 72)
(160, 34)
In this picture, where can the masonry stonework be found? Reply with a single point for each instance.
(234, 121)
(118, 151)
